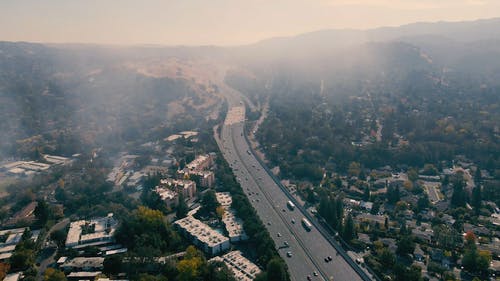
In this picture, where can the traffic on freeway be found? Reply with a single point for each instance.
(308, 254)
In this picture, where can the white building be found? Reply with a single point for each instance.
(95, 232)
(234, 226)
(202, 162)
(203, 236)
(186, 187)
(170, 197)
(242, 268)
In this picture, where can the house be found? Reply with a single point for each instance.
(419, 254)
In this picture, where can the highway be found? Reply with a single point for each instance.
(308, 248)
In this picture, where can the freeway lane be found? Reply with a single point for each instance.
(308, 248)
(313, 241)
(299, 264)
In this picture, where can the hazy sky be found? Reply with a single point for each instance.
(220, 22)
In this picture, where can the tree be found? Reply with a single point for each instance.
(276, 270)
(220, 212)
(469, 259)
(189, 267)
(366, 194)
(405, 245)
(412, 174)
(477, 176)
(218, 271)
(387, 258)
(476, 199)
(112, 264)
(182, 208)
(447, 237)
(42, 212)
(52, 274)
(393, 195)
(458, 198)
(403, 273)
(209, 202)
(59, 236)
(21, 260)
(349, 232)
(423, 203)
(147, 233)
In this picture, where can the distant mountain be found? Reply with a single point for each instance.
(470, 47)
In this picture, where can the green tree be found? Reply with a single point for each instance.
(218, 271)
(189, 268)
(349, 232)
(52, 274)
(276, 270)
(476, 199)
(412, 174)
(112, 264)
(405, 245)
(42, 212)
(423, 203)
(387, 258)
(209, 202)
(458, 198)
(181, 209)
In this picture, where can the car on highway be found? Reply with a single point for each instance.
(279, 234)
(289, 254)
(293, 221)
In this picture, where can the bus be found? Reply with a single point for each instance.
(290, 205)
(307, 225)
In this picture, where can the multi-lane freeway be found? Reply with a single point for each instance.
(306, 253)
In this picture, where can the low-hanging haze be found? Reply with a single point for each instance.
(215, 22)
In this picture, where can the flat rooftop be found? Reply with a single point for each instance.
(201, 231)
(242, 268)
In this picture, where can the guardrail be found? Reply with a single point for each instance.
(312, 219)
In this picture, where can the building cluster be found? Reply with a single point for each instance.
(125, 172)
(200, 168)
(169, 190)
(28, 168)
(234, 225)
(9, 238)
(243, 269)
(98, 233)
(420, 220)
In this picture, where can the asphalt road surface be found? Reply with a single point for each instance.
(308, 248)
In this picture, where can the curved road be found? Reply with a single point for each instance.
(308, 249)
